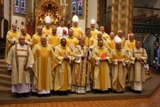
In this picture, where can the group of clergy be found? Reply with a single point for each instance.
(70, 60)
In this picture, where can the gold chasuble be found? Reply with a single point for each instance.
(110, 44)
(53, 40)
(101, 76)
(10, 38)
(62, 72)
(94, 33)
(36, 39)
(43, 67)
(71, 42)
(80, 74)
(119, 60)
(90, 42)
(105, 35)
(28, 38)
(129, 45)
(123, 41)
(46, 31)
(77, 32)
(19, 57)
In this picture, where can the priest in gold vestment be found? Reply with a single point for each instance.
(94, 31)
(119, 59)
(28, 39)
(110, 42)
(37, 36)
(47, 29)
(130, 43)
(99, 36)
(80, 74)
(53, 38)
(71, 40)
(137, 74)
(101, 78)
(21, 59)
(62, 72)
(43, 67)
(77, 30)
(104, 34)
(11, 38)
(121, 35)
(90, 42)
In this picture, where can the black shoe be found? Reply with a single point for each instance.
(105, 92)
(18, 95)
(40, 95)
(9, 70)
(137, 92)
(46, 95)
(63, 93)
(34, 94)
(25, 94)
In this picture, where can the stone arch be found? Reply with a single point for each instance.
(149, 43)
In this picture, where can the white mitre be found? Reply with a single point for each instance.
(75, 18)
(117, 39)
(92, 21)
(47, 19)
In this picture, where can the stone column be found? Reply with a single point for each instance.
(122, 11)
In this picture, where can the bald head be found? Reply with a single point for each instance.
(99, 35)
(43, 40)
(120, 33)
(102, 29)
(54, 30)
(131, 36)
(111, 35)
(14, 27)
(39, 30)
(23, 30)
(21, 40)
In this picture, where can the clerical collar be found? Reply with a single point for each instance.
(92, 29)
(131, 40)
(89, 36)
(44, 45)
(62, 46)
(100, 47)
(70, 37)
(24, 34)
(21, 45)
(118, 49)
(14, 30)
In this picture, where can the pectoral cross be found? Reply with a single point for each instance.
(64, 5)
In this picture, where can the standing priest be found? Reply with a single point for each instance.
(21, 59)
(137, 74)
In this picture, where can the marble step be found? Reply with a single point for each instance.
(5, 90)
(5, 77)
(4, 71)
(3, 66)
(5, 83)
(2, 61)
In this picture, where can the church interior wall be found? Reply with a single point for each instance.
(82, 24)
(92, 11)
(6, 8)
(19, 20)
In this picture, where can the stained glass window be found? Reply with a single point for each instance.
(77, 7)
(20, 6)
